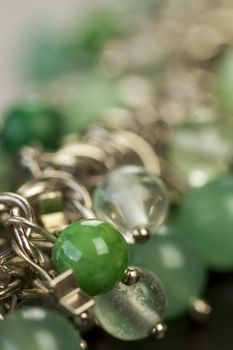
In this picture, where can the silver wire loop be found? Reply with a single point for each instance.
(22, 228)
(77, 196)
(12, 200)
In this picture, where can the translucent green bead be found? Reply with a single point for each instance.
(31, 124)
(173, 260)
(37, 329)
(130, 197)
(97, 253)
(131, 312)
(206, 218)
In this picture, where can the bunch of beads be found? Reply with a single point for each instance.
(70, 259)
(97, 203)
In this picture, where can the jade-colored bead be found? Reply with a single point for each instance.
(206, 218)
(172, 259)
(97, 253)
(30, 124)
(37, 329)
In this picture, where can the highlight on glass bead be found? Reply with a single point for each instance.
(96, 252)
(172, 258)
(38, 329)
(132, 312)
(130, 197)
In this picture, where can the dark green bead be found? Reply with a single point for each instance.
(172, 259)
(97, 253)
(37, 329)
(32, 124)
(206, 218)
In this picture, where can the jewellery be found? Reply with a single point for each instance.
(113, 165)
(95, 250)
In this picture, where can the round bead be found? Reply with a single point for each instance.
(131, 312)
(31, 124)
(130, 197)
(37, 329)
(177, 265)
(206, 217)
(97, 253)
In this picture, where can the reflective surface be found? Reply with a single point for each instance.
(131, 312)
(206, 218)
(37, 329)
(175, 262)
(129, 197)
(97, 253)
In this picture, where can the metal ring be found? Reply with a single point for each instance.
(39, 185)
(139, 146)
(34, 266)
(32, 225)
(15, 200)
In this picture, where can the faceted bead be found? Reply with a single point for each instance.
(97, 253)
(175, 262)
(131, 312)
(37, 329)
(31, 124)
(206, 218)
(130, 197)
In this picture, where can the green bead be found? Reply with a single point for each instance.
(97, 253)
(31, 124)
(177, 266)
(206, 217)
(37, 329)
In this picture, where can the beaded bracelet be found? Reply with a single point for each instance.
(69, 230)
(66, 262)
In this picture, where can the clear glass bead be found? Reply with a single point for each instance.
(131, 312)
(130, 197)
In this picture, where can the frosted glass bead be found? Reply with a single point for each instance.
(37, 329)
(131, 312)
(174, 260)
(206, 218)
(130, 197)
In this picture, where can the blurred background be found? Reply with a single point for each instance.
(169, 61)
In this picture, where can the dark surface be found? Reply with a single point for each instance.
(216, 333)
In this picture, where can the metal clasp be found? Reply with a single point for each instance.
(63, 293)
